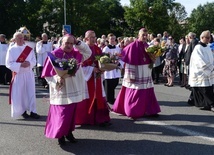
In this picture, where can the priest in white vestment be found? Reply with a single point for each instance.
(201, 73)
(22, 89)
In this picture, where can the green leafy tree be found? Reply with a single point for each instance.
(177, 21)
(51, 17)
(98, 15)
(18, 13)
(151, 14)
(10, 17)
(156, 15)
(202, 18)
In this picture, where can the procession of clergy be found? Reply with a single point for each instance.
(88, 96)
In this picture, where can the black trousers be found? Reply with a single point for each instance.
(41, 80)
(5, 75)
(203, 96)
(156, 73)
(110, 85)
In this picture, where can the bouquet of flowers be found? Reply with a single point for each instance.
(64, 67)
(155, 51)
(107, 62)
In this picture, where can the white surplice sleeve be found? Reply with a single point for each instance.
(204, 59)
(84, 50)
(52, 80)
(39, 48)
(88, 71)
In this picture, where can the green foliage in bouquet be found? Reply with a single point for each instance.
(107, 62)
(156, 50)
(103, 58)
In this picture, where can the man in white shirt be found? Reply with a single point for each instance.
(5, 73)
(42, 47)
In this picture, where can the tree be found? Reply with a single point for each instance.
(156, 15)
(151, 14)
(177, 21)
(9, 16)
(201, 18)
(98, 15)
(51, 17)
(16, 13)
(102, 16)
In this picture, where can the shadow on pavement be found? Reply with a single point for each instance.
(135, 147)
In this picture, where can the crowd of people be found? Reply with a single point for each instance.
(88, 95)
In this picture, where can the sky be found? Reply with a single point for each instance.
(188, 4)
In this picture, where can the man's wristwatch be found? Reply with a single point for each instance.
(78, 43)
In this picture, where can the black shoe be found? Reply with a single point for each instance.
(34, 115)
(156, 82)
(188, 87)
(152, 116)
(155, 115)
(190, 102)
(61, 141)
(102, 125)
(25, 115)
(105, 124)
(108, 123)
(70, 138)
(206, 108)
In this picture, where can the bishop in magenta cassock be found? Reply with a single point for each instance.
(136, 97)
(61, 116)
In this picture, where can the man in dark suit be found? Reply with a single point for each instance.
(193, 42)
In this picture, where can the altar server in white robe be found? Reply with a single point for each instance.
(111, 78)
(42, 47)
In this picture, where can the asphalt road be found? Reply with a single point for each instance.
(179, 130)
